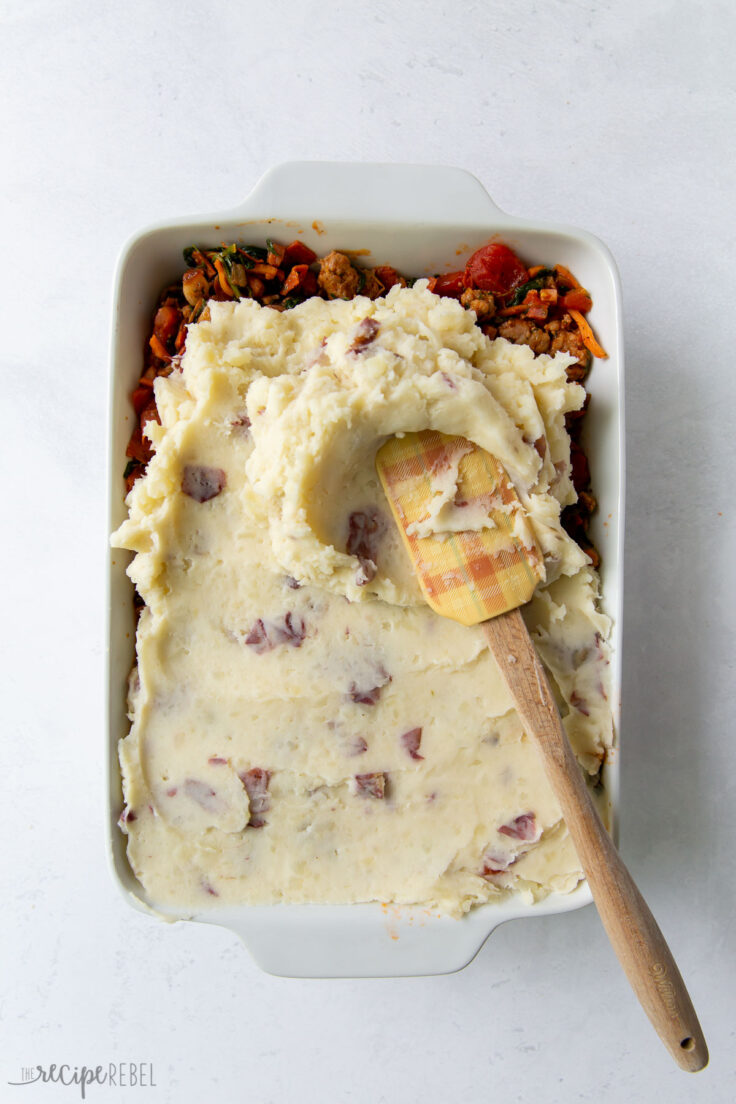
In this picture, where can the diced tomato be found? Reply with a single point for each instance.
(450, 284)
(276, 254)
(298, 253)
(577, 299)
(495, 268)
(166, 323)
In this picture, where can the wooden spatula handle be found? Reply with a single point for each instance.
(631, 928)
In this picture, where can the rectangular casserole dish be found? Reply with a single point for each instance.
(423, 220)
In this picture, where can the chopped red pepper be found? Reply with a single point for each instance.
(276, 254)
(298, 253)
(577, 299)
(166, 323)
(138, 447)
(142, 396)
(300, 278)
(450, 284)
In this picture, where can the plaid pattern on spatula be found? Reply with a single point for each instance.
(473, 574)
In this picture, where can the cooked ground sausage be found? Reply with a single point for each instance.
(482, 302)
(523, 332)
(337, 277)
(570, 341)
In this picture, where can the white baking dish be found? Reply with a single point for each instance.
(422, 219)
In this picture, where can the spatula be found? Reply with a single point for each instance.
(435, 484)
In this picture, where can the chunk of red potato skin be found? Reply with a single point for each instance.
(364, 334)
(204, 795)
(337, 278)
(493, 863)
(370, 695)
(127, 816)
(482, 302)
(240, 424)
(209, 888)
(365, 531)
(264, 636)
(410, 742)
(202, 483)
(371, 785)
(523, 827)
(523, 332)
(579, 703)
(356, 745)
(255, 782)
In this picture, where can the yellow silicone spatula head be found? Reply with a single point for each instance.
(463, 525)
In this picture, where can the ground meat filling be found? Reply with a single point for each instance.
(337, 277)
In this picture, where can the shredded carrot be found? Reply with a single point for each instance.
(222, 275)
(587, 335)
(159, 349)
(204, 262)
(567, 276)
(268, 271)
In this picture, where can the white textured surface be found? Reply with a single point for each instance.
(616, 116)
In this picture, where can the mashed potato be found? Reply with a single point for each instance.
(303, 727)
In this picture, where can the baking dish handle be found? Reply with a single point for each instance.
(331, 190)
